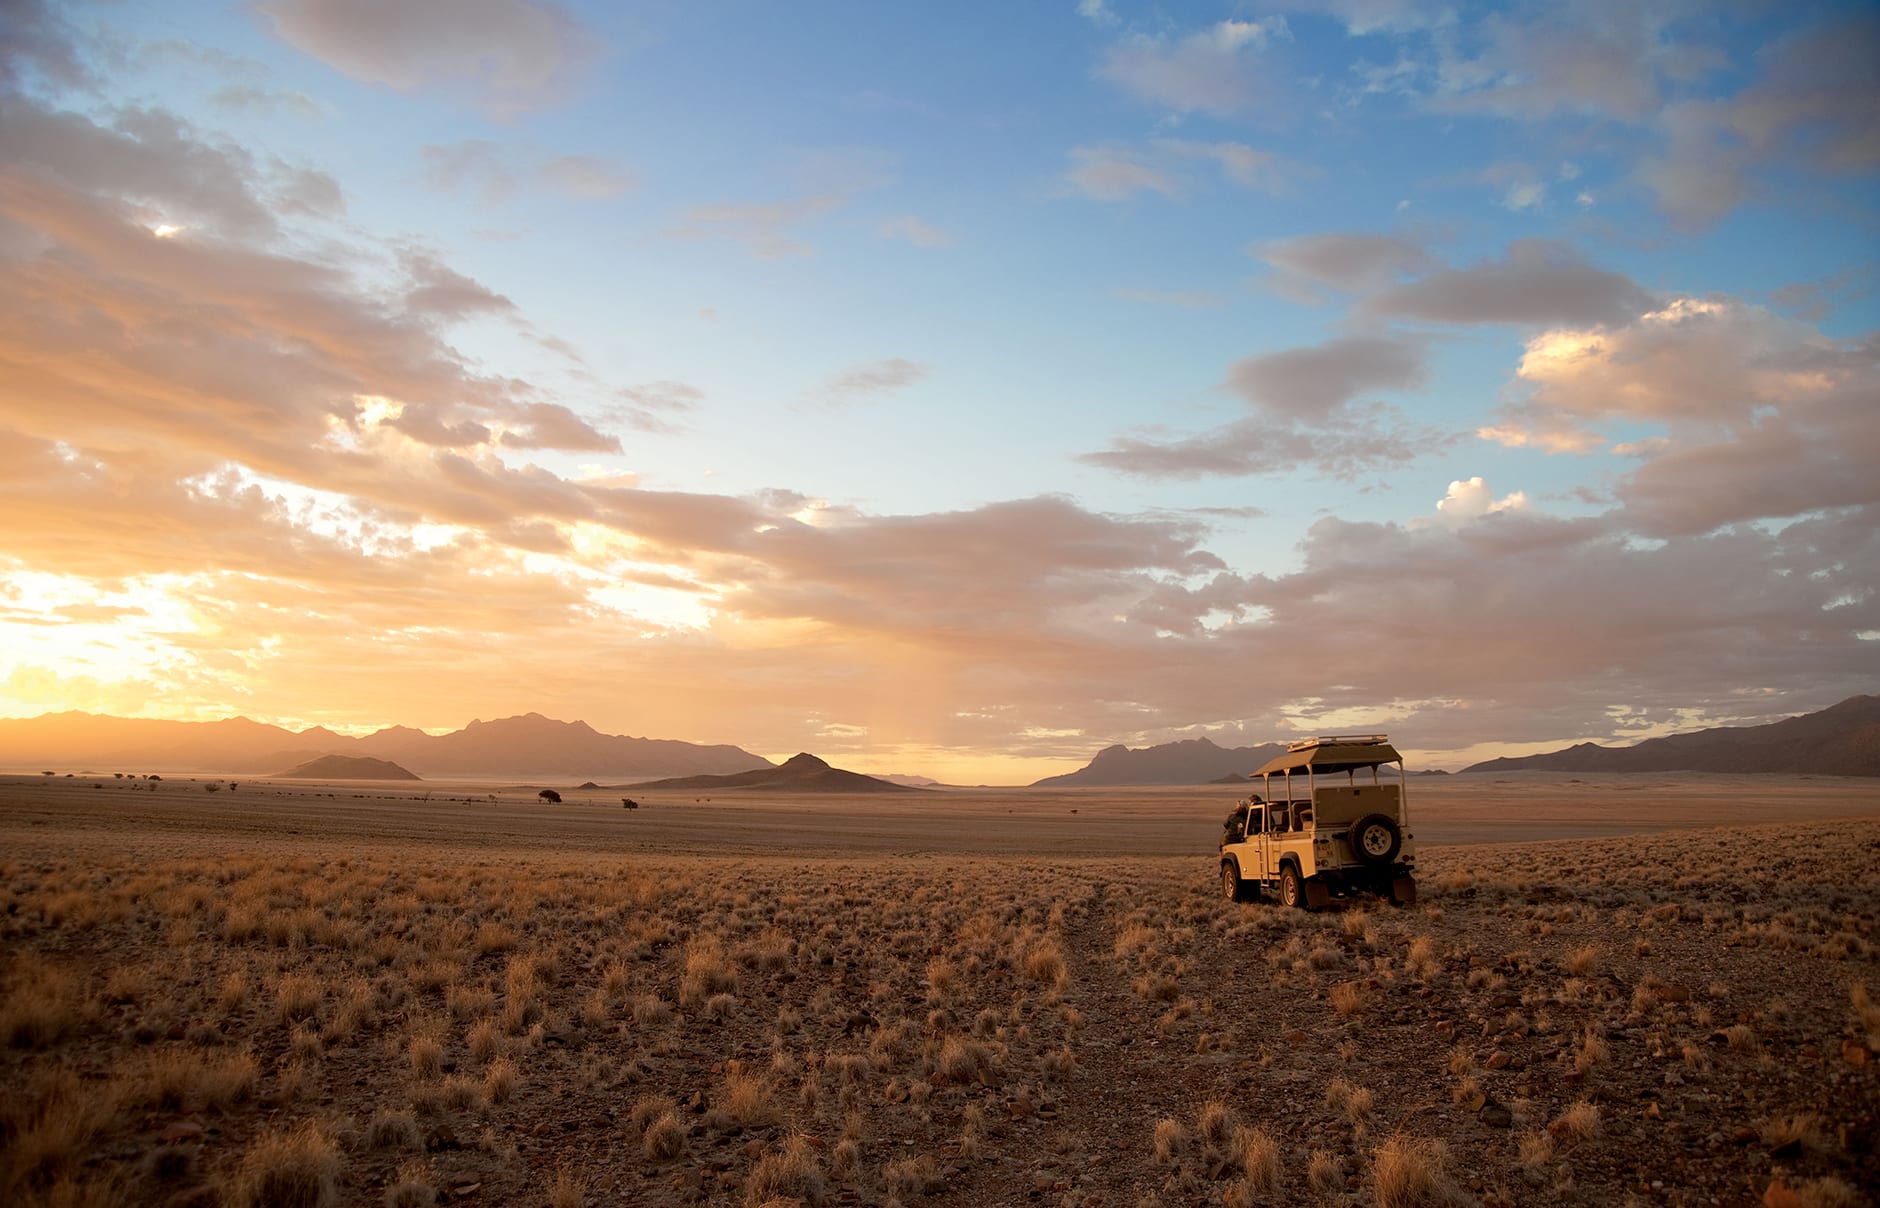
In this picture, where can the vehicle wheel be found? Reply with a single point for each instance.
(1375, 839)
(1292, 890)
(1231, 887)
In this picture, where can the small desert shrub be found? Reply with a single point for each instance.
(1411, 1172)
(296, 996)
(485, 1039)
(1583, 960)
(790, 1174)
(426, 1056)
(664, 1138)
(1045, 963)
(1171, 1141)
(492, 938)
(569, 1190)
(41, 1007)
(747, 1100)
(1593, 1050)
(1802, 1129)
(1741, 1038)
(961, 1061)
(233, 993)
(413, 1187)
(393, 1128)
(1349, 998)
(1579, 1123)
(47, 1127)
(1354, 1101)
(1259, 1159)
(913, 1176)
(296, 1168)
(499, 1081)
(706, 972)
(1536, 1150)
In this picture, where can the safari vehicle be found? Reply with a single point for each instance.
(1307, 835)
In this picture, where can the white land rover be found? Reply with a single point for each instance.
(1306, 834)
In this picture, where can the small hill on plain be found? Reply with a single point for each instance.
(1841, 740)
(1191, 761)
(346, 767)
(801, 773)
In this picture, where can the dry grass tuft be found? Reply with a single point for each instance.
(1579, 1124)
(1349, 998)
(791, 1173)
(1412, 1172)
(294, 1168)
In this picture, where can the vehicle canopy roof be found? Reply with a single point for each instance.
(1332, 753)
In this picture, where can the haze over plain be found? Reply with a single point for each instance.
(953, 393)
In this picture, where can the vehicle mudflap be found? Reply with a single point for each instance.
(1318, 897)
(1403, 891)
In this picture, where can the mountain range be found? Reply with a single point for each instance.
(1191, 761)
(1841, 740)
(527, 746)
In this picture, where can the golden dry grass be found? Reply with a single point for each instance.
(1557, 1023)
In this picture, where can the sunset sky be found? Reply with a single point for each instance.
(942, 389)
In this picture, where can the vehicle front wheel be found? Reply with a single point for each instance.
(1292, 889)
(1232, 888)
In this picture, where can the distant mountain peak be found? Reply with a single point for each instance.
(1187, 761)
(803, 761)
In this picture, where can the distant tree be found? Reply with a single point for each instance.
(212, 787)
(153, 776)
(550, 795)
(48, 773)
(629, 803)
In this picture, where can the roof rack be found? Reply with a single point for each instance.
(1339, 740)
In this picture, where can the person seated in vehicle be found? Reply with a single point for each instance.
(1243, 821)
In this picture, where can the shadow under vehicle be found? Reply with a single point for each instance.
(1306, 836)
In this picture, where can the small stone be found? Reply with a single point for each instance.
(1497, 1060)
(1742, 1134)
(1495, 1115)
(1855, 1053)
(1779, 1196)
(181, 1130)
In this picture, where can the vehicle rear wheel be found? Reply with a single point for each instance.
(1232, 888)
(1292, 889)
(1375, 839)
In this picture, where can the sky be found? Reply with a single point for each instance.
(947, 390)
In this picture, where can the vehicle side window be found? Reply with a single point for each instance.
(1256, 821)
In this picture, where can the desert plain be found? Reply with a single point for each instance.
(1613, 990)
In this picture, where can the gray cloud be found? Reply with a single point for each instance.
(1538, 282)
(497, 172)
(1311, 383)
(1210, 71)
(1351, 262)
(505, 56)
(863, 382)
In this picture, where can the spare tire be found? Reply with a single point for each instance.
(1375, 839)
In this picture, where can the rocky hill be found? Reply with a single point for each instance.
(345, 767)
(802, 773)
(1192, 761)
(1841, 740)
